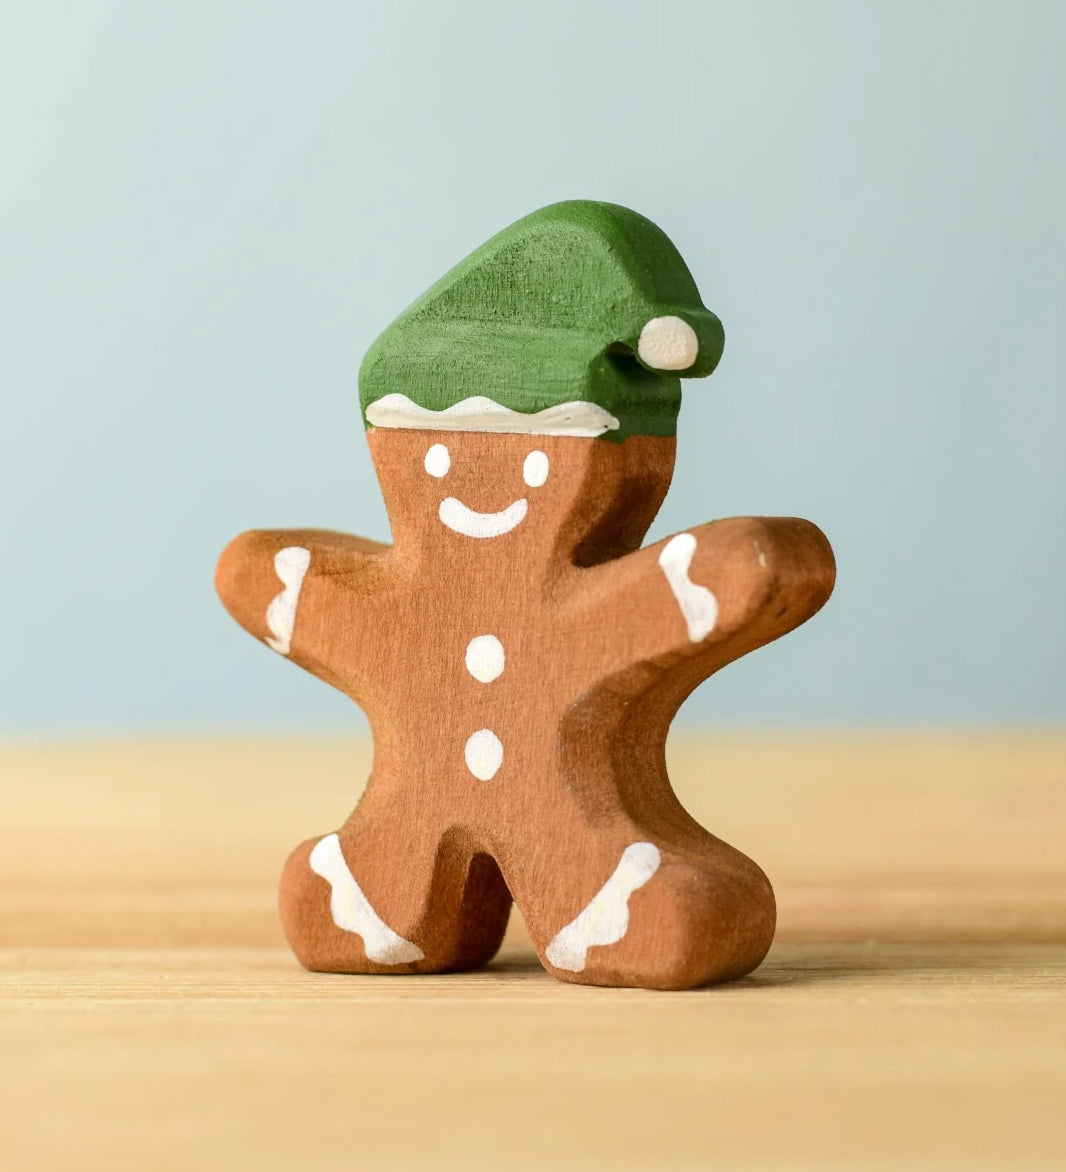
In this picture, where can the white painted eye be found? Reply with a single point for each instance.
(535, 469)
(668, 343)
(438, 461)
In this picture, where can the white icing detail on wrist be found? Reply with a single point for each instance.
(290, 565)
(479, 413)
(698, 605)
(668, 343)
(470, 523)
(484, 754)
(438, 461)
(485, 658)
(606, 918)
(535, 469)
(351, 909)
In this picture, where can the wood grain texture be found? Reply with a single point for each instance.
(844, 1056)
(151, 1016)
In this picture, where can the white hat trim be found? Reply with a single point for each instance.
(479, 413)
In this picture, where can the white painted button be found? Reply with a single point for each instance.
(438, 461)
(485, 658)
(484, 754)
(535, 469)
(668, 343)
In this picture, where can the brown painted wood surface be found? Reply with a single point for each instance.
(912, 1012)
(598, 658)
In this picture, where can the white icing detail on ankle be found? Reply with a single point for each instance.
(484, 754)
(290, 565)
(351, 909)
(698, 605)
(606, 918)
(668, 343)
(535, 469)
(480, 413)
(461, 519)
(438, 461)
(485, 658)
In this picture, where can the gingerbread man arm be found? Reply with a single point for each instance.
(296, 588)
(720, 590)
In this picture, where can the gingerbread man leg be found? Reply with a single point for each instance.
(379, 897)
(618, 905)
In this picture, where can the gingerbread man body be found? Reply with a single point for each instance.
(520, 659)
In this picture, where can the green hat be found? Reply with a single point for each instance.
(576, 320)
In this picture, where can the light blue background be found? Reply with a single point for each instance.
(209, 210)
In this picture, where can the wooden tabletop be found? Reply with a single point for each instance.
(912, 1013)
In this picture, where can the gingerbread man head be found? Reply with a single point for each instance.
(519, 656)
(573, 324)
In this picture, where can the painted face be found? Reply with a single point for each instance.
(460, 518)
(479, 488)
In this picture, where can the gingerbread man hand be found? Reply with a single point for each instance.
(519, 656)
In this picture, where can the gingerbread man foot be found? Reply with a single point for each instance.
(410, 911)
(519, 656)
(664, 918)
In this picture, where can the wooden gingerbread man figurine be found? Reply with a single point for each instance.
(519, 656)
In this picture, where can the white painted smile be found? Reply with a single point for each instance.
(471, 523)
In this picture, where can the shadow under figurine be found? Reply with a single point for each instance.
(519, 656)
